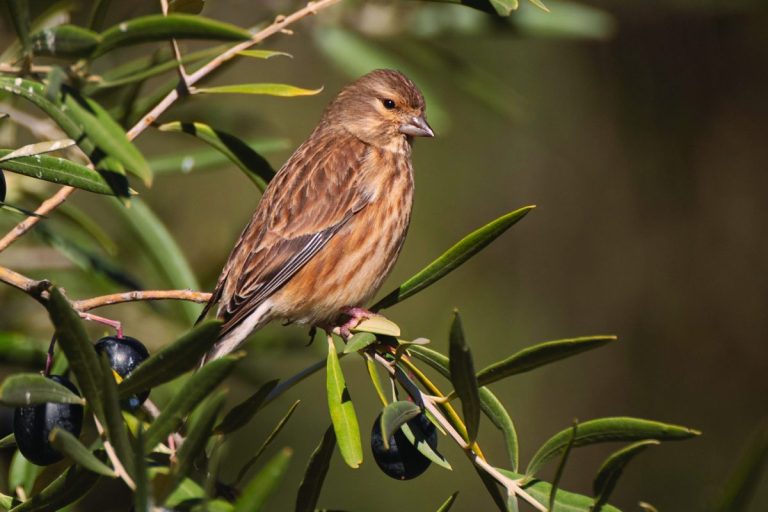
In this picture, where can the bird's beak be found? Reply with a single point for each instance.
(417, 127)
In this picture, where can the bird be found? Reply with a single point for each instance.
(332, 221)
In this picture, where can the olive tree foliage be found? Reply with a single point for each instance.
(167, 455)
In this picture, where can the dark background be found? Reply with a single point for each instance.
(638, 128)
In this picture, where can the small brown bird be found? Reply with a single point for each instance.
(332, 221)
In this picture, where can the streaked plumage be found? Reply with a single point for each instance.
(333, 220)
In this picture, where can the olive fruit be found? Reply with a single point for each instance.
(2, 186)
(124, 355)
(33, 424)
(403, 461)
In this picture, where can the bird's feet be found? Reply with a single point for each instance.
(355, 315)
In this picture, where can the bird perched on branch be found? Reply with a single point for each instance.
(332, 221)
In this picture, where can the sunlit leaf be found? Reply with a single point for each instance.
(495, 411)
(255, 167)
(604, 430)
(314, 475)
(284, 90)
(261, 486)
(263, 54)
(378, 325)
(243, 412)
(172, 360)
(453, 257)
(359, 341)
(38, 148)
(342, 411)
(8, 441)
(156, 27)
(419, 440)
(394, 416)
(463, 377)
(32, 388)
(610, 471)
(68, 444)
(65, 41)
(447, 504)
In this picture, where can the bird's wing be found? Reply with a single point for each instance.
(310, 199)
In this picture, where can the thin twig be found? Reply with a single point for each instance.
(137, 295)
(112, 455)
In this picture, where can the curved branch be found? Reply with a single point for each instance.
(137, 295)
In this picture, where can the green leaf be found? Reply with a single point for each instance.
(603, 430)
(22, 473)
(342, 411)
(314, 475)
(265, 482)
(68, 444)
(65, 41)
(538, 355)
(263, 54)
(565, 502)
(504, 7)
(8, 502)
(243, 412)
(561, 467)
(8, 441)
(283, 90)
(447, 504)
(156, 27)
(539, 4)
(19, 350)
(200, 429)
(196, 389)
(419, 441)
(394, 416)
(86, 224)
(463, 377)
(610, 471)
(495, 411)
(453, 258)
(58, 170)
(158, 243)
(114, 426)
(70, 486)
(141, 498)
(38, 148)
(32, 388)
(378, 325)
(79, 351)
(85, 121)
(255, 167)
(172, 360)
(359, 341)
(19, 10)
(194, 160)
(741, 484)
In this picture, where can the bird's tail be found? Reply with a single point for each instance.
(234, 336)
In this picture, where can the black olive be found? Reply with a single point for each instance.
(124, 355)
(403, 461)
(33, 424)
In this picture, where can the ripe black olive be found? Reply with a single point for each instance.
(403, 461)
(124, 355)
(2, 186)
(33, 424)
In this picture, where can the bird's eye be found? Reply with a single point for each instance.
(388, 104)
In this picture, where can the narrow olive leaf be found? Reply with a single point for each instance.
(158, 243)
(156, 27)
(453, 258)
(561, 467)
(271, 437)
(38, 148)
(97, 14)
(255, 166)
(68, 444)
(65, 41)
(647, 507)
(172, 360)
(243, 413)
(141, 501)
(495, 411)
(86, 224)
(742, 483)
(538, 355)
(196, 389)
(58, 170)
(447, 504)
(22, 474)
(359, 341)
(540, 5)
(54, 81)
(492, 486)
(77, 347)
(314, 475)
(283, 90)
(378, 325)
(19, 10)
(185, 162)
(8, 441)
(32, 388)
(373, 374)
(8, 502)
(419, 440)
(200, 429)
(70, 486)
(394, 416)
(342, 411)
(263, 54)
(463, 377)
(116, 432)
(504, 7)
(264, 483)
(603, 430)
(566, 501)
(610, 471)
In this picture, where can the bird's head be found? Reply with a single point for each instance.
(383, 108)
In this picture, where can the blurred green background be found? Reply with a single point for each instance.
(639, 130)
